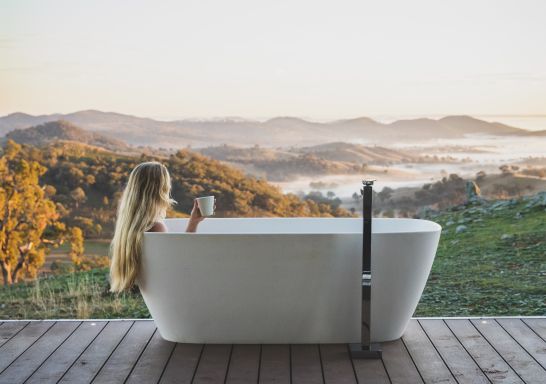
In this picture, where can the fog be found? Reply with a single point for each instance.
(496, 152)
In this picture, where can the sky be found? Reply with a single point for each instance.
(307, 58)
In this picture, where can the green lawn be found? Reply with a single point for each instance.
(476, 272)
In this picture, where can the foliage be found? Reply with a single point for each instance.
(76, 246)
(87, 182)
(448, 191)
(29, 222)
(329, 200)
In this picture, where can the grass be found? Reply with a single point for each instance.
(497, 266)
(478, 272)
(79, 295)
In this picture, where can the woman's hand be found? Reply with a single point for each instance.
(195, 218)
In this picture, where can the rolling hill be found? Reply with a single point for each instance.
(63, 131)
(278, 164)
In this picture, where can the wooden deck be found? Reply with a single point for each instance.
(475, 350)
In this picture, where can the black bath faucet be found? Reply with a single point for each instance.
(366, 349)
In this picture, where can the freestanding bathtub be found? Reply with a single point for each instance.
(284, 280)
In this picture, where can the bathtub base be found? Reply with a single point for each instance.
(358, 351)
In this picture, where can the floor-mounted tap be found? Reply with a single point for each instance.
(366, 349)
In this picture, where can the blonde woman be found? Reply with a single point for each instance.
(142, 208)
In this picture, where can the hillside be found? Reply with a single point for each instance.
(238, 154)
(490, 260)
(284, 164)
(355, 153)
(451, 190)
(279, 131)
(63, 130)
(87, 181)
(492, 267)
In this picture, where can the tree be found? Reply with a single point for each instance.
(78, 195)
(385, 194)
(357, 197)
(76, 246)
(28, 219)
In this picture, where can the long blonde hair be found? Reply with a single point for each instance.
(145, 200)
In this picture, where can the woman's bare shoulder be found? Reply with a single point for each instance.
(158, 227)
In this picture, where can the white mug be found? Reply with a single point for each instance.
(206, 205)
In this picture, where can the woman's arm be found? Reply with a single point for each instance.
(195, 218)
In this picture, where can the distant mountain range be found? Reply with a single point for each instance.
(279, 131)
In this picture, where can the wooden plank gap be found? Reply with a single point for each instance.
(198, 362)
(521, 362)
(10, 351)
(11, 329)
(53, 353)
(140, 355)
(532, 344)
(112, 351)
(537, 325)
(166, 363)
(436, 349)
(412, 360)
(492, 364)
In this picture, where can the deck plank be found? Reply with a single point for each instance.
(181, 366)
(121, 361)
(427, 359)
(275, 363)
(336, 364)
(245, 364)
(528, 339)
(461, 364)
(370, 371)
(306, 364)
(23, 340)
(490, 362)
(95, 355)
(58, 363)
(521, 362)
(537, 325)
(23, 367)
(213, 365)
(153, 360)
(398, 363)
(10, 329)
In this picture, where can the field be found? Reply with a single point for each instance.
(494, 264)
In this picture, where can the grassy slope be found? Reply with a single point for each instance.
(475, 272)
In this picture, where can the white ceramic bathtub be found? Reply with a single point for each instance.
(284, 280)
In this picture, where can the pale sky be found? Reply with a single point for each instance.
(308, 58)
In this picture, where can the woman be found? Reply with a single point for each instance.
(142, 207)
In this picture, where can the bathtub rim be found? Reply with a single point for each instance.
(429, 226)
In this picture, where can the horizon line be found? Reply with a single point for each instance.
(165, 118)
